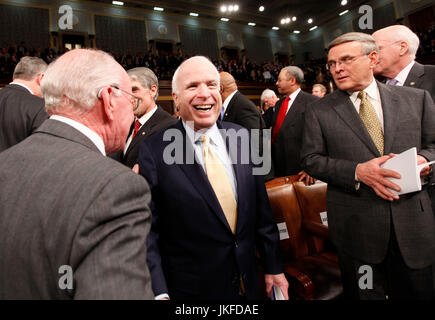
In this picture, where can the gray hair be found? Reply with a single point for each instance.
(321, 86)
(198, 58)
(266, 94)
(295, 72)
(72, 82)
(367, 41)
(145, 77)
(28, 68)
(403, 33)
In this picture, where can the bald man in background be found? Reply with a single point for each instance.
(236, 107)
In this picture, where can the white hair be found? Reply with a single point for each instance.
(72, 81)
(266, 94)
(198, 59)
(403, 33)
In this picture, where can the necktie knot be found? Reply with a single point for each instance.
(362, 95)
(392, 82)
(137, 126)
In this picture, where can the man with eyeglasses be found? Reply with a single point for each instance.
(73, 222)
(385, 243)
(398, 46)
(149, 118)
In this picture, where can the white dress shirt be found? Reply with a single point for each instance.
(142, 121)
(374, 97)
(403, 74)
(227, 101)
(92, 135)
(292, 99)
(23, 85)
(218, 147)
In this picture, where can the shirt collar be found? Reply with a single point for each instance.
(92, 135)
(195, 136)
(294, 94)
(147, 116)
(22, 85)
(228, 99)
(402, 75)
(371, 90)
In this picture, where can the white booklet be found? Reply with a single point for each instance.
(277, 293)
(406, 164)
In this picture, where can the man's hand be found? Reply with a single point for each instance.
(426, 170)
(277, 280)
(135, 168)
(306, 178)
(371, 174)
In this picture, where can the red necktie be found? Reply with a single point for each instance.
(281, 115)
(136, 128)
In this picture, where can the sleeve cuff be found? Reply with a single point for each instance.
(162, 296)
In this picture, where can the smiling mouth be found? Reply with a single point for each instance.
(203, 108)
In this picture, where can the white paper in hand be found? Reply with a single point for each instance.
(277, 293)
(406, 164)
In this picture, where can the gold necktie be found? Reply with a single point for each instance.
(370, 119)
(220, 183)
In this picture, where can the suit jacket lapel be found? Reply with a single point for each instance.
(389, 108)
(415, 75)
(195, 173)
(346, 111)
(240, 175)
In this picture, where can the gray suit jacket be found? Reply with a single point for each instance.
(335, 141)
(423, 77)
(63, 203)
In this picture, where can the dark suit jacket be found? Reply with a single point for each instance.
(423, 77)
(20, 114)
(63, 203)
(335, 141)
(243, 111)
(192, 252)
(287, 147)
(158, 121)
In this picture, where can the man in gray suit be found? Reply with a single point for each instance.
(73, 222)
(21, 104)
(382, 239)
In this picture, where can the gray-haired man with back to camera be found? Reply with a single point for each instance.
(73, 222)
(21, 106)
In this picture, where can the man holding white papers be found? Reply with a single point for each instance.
(386, 242)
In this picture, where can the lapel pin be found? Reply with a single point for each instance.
(412, 83)
(143, 133)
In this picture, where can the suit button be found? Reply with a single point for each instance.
(236, 244)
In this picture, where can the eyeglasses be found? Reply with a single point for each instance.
(135, 101)
(330, 65)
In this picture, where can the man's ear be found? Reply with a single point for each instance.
(373, 57)
(153, 91)
(106, 98)
(39, 79)
(175, 98)
(403, 48)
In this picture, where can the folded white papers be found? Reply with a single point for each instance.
(406, 164)
(277, 293)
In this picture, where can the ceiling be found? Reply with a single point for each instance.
(320, 11)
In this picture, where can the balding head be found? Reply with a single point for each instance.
(228, 84)
(398, 46)
(90, 87)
